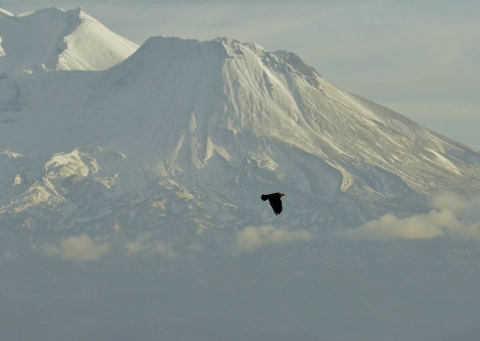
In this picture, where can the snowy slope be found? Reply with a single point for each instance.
(55, 39)
(183, 137)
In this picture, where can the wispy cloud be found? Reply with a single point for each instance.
(251, 238)
(79, 249)
(451, 217)
(142, 246)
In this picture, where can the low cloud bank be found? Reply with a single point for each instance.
(251, 238)
(80, 249)
(451, 217)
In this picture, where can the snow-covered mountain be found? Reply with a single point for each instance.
(185, 135)
(154, 168)
(55, 39)
(189, 133)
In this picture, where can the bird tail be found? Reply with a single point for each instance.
(264, 197)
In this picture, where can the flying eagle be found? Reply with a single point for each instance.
(275, 201)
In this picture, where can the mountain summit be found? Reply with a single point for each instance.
(55, 39)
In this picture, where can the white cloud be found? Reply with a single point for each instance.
(141, 245)
(251, 238)
(455, 203)
(451, 217)
(81, 249)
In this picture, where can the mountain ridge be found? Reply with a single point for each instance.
(55, 39)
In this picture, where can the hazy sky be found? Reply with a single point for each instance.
(420, 58)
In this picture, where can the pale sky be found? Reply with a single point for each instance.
(419, 58)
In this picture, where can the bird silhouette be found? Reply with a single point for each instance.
(275, 201)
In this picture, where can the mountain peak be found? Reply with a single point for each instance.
(56, 39)
(226, 40)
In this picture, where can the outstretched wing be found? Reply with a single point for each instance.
(276, 204)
